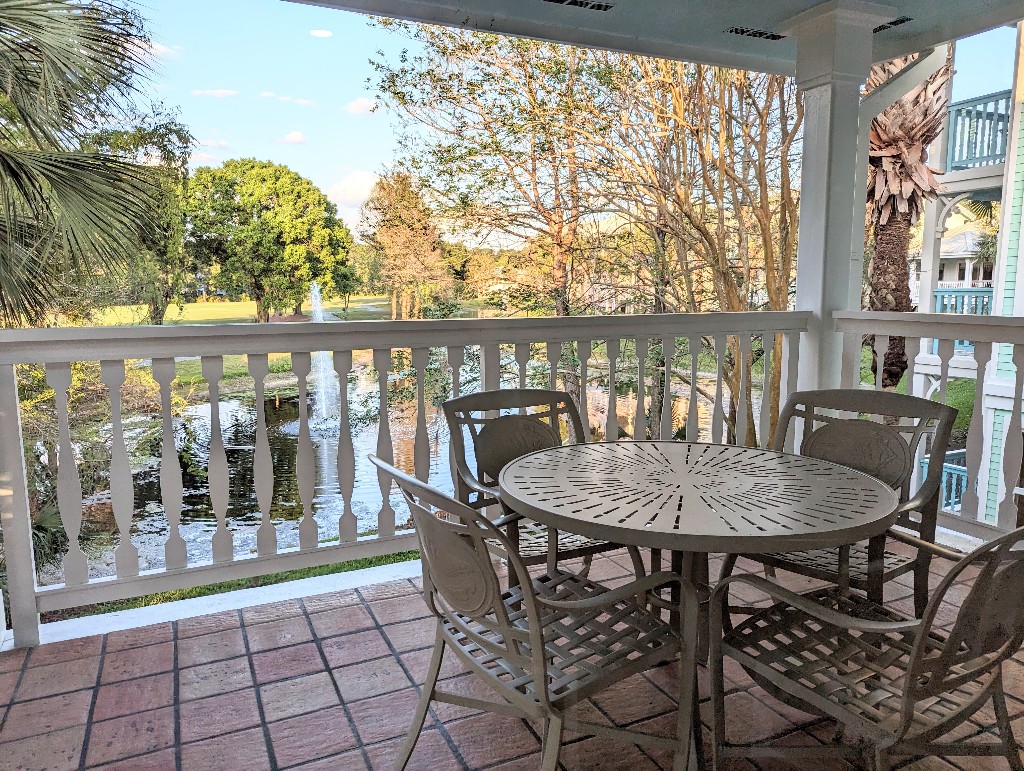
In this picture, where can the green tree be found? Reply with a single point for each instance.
(270, 231)
(494, 130)
(399, 226)
(899, 183)
(65, 68)
(162, 270)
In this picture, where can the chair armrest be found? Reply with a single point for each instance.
(809, 606)
(928, 546)
(505, 519)
(626, 592)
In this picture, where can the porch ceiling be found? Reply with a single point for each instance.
(693, 30)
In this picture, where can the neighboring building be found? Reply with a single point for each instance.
(982, 152)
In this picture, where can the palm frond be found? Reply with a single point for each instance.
(64, 63)
(64, 211)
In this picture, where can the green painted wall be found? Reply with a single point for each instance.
(995, 466)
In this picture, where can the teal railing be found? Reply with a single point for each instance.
(978, 131)
(971, 301)
(954, 479)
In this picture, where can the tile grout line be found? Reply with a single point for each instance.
(176, 696)
(337, 690)
(452, 745)
(87, 735)
(14, 691)
(264, 724)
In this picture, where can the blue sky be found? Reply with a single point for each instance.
(252, 81)
(286, 82)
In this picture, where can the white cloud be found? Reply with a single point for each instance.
(361, 106)
(286, 98)
(352, 189)
(217, 92)
(218, 144)
(293, 138)
(162, 51)
(321, 33)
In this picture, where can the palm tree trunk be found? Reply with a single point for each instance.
(889, 278)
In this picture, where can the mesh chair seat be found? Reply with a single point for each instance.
(533, 543)
(821, 563)
(862, 674)
(585, 650)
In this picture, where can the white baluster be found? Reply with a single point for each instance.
(945, 355)
(456, 358)
(175, 550)
(15, 518)
(262, 464)
(305, 467)
(1013, 447)
(584, 348)
(668, 344)
(69, 486)
(970, 504)
(692, 416)
(741, 398)
(217, 476)
(554, 356)
(640, 419)
(764, 428)
(912, 347)
(611, 424)
(385, 449)
(348, 529)
(122, 487)
(522, 354)
(850, 375)
(881, 347)
(791, 375)
(490, 367)
(421, 445)
(718, 413)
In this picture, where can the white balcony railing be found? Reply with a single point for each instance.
(421, 361)
(994, 360)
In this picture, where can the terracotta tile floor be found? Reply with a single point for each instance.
(329, 682)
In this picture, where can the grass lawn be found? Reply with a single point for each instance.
(360, 309)
(228, 586)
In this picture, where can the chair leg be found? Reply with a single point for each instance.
(920, 587)
(426, 696)
(552, 743)
(717, 673)
(1005, 729)
(881, 760)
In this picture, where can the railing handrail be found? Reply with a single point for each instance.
(987, 329)
(66, 344)
(979, 291)
(994, 96)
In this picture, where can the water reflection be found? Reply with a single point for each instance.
(238, 421)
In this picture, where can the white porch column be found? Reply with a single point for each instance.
(834, 56)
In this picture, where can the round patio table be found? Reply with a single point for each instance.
(694, 499)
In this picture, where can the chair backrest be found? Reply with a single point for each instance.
(504, 425)
(988, 629)
(460, 583)
(877, 432)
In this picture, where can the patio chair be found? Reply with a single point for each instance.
(501, 426)
(885, 445)
(897, 683)
(544, 644)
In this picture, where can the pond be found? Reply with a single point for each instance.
(238, 422)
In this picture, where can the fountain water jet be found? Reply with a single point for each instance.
(325, 379)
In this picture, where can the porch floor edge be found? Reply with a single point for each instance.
(104, 623)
